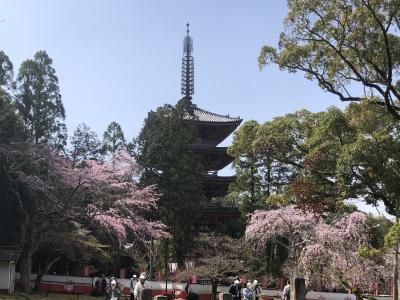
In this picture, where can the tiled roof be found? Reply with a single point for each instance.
(206, 116)
(9, 254)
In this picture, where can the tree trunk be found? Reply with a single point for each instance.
(29, 244)
(292, 286)
(271, 253)
(25, 267)
(214, 289)
(396, 274)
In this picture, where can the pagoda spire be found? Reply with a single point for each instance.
(187, 82)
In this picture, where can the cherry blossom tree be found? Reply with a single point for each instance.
(287, 226)
(317, 250)
(333, 255)
(117, 203)
(48, 195)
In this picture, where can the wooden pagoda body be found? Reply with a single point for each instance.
(212, 129)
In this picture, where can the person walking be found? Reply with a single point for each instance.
(132, 287)
(113, 291)
(140, 286)
(248, 292)
(286, 291)
(258, 292)
(234, 290)
(103, 285)
(188, 287)
(97, 290)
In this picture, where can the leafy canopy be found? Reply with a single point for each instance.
(351, 47)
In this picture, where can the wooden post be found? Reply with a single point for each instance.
(299, 289)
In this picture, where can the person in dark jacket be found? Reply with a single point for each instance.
(97, 290)
(234, 290)
(103, 285)
(113, 291)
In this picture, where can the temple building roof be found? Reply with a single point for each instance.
(202, 115)
(214, 158)
(216, 186)
(212, 128)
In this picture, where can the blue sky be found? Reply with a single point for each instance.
(117, 60)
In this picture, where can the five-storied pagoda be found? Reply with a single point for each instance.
(211, 130)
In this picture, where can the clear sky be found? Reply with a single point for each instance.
(118, 59)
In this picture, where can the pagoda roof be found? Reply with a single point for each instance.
(215, 179)
(216, 186)
(215, 158)
(202, 115)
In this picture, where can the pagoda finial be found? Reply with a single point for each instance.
(187, 82)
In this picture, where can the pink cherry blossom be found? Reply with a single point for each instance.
(319, 251)
(117, 203)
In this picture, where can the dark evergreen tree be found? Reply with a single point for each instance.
(85, 145)
(113, 139)
(161, 150)
(38, 101)
(6, 74)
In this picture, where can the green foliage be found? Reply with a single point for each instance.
(247, 165)
(38, 101)
(11, 128)
(113, 139)
(161, 151)
(85, 145)
(320, 160)
(259, 175)
(351, 48)
(378, 228)
(369, 252)
(369, 166)
(6, 73)
(392, 238)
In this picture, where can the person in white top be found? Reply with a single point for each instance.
(286, 292)
(258, 292)
(140, 286)
(132, 286)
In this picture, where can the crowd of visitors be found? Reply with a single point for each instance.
(110, 287)
(111, 290)
(252, 290)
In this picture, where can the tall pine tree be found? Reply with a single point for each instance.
(38, 101)
(113, 139)
(85, 144)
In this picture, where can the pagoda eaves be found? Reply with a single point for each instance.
(214, 158)
(212, 128)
